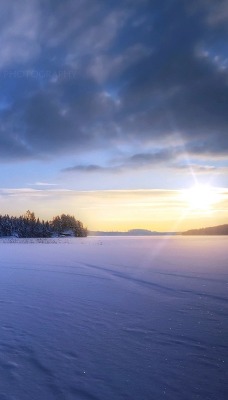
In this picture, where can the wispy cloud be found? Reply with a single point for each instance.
(202, 168)
(44, 184)
(123, 163)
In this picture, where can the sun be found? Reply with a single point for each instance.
(201, 197)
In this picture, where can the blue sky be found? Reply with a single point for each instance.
(103, 95)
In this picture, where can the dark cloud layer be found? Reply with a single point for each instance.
(79, 76)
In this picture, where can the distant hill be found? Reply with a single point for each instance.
(213, 230)
(140, 232)
(104, 233)
(131, 232)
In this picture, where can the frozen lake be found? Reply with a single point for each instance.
(103, 318)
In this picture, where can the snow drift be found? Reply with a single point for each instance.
(113, 318)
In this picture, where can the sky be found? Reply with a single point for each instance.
(113, 111)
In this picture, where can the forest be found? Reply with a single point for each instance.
(212, 230)
(28, 226)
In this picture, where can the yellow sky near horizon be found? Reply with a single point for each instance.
(112, 210)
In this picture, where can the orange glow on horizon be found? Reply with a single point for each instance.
(122, 210)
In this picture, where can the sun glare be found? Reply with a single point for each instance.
(201, 197)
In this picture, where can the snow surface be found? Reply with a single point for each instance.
(114, 318)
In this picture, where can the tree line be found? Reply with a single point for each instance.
(28, 225)
(212, 230)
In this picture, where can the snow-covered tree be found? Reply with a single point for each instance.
(29, 226)
(67, 224)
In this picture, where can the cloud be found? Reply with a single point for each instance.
(19, 30)
(44, 184)
(216, 13)
(128, 75)
(201, 169)
(197, 167)
(90, 199)
(12, 146)
(90, 168)
(103, 66)
(135, 161)
(159, 156)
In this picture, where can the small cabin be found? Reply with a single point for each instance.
(67, 233)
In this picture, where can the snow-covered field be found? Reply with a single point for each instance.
(114, 318)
